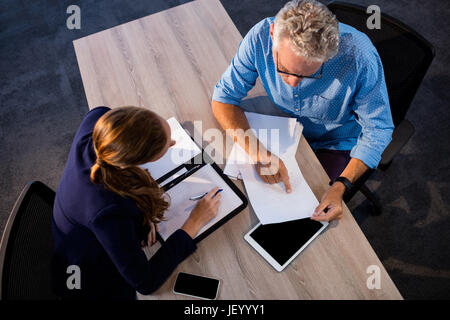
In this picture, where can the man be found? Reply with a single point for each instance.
(326, 74)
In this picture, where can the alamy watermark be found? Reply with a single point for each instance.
(74, 20)
(374, 280)
(374, 21)
(262, 142)
(74, 279)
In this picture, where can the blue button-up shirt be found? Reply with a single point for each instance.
(347, 109)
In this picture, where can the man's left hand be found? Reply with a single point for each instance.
(330, 207)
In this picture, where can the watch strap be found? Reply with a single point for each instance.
(348, 185)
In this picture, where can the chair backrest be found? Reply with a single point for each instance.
(405, 54)
(26, 246)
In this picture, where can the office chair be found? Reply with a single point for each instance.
(26, 246)
(406, 56)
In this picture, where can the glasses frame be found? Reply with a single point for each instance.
(298, 75)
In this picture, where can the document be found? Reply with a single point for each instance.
(285, 132)
(270, 202)
(183, 150)
(203, 180)
(280, 135)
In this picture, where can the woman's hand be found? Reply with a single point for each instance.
(204, 211)
(151, 239)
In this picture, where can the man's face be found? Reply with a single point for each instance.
(289, 62)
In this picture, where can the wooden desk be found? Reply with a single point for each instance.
(169, 62)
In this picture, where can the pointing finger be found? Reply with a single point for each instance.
(287, 183)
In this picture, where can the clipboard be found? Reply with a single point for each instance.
(191, 167)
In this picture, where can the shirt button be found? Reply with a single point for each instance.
(296, 109)
(296, 95)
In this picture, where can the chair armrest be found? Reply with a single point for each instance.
(7, 230)
(402, 133)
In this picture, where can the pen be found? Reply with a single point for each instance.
(181, 177)
(200, 196)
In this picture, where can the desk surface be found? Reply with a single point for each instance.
(169, 62)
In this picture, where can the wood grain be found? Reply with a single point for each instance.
(169, 62)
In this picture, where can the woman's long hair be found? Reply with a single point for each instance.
(124, 138)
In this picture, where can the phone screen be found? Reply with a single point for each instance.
(196, 286)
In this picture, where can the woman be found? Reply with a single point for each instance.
(105, 206)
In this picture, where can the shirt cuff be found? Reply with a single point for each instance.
(220, 96)
(367, 155)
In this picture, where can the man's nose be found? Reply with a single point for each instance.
(294, 81)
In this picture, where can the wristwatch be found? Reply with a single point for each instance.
(348, 185)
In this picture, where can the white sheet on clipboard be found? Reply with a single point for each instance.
(203, 180)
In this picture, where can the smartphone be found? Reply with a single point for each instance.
(196, 286)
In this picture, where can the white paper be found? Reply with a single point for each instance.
(271, 202)
(236, 157)
(204, 180)
(288, 129)
(183, 150)
(280, 135)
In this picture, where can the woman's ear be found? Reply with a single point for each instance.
(172, 143)
(271, 31)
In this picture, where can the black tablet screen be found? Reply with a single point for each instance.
(283, 240)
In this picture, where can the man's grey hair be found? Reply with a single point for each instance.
(310, 26)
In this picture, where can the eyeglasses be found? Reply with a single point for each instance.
(298, 75)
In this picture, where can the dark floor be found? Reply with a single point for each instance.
(42, 103)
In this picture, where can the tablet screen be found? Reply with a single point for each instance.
(283, 240)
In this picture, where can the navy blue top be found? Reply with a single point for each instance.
(100, 232)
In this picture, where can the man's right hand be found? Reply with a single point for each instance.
(232, 118)
(274, 171)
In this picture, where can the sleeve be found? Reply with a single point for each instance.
(372, 109)
(90, 119)
(240, 75)
(116, 232)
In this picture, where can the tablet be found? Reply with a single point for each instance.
(280, 243)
